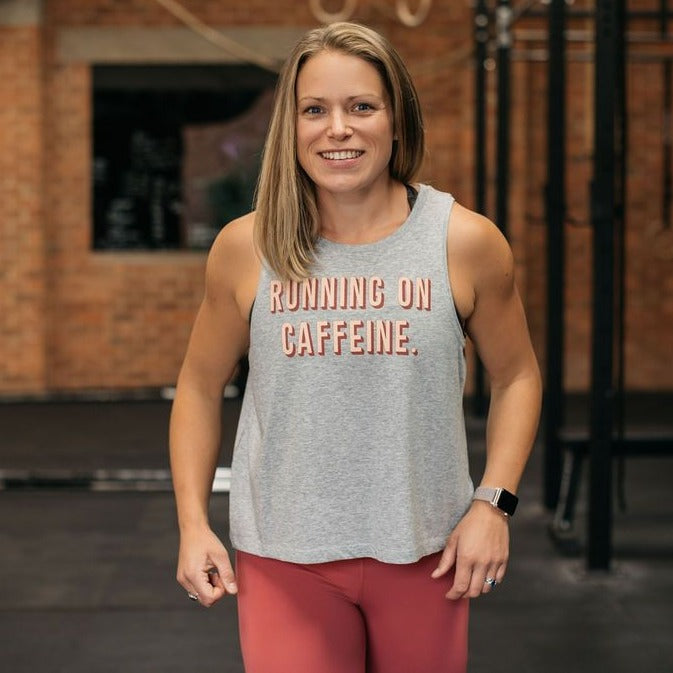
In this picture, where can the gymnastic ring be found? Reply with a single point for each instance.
(409, 18)
(332, 17)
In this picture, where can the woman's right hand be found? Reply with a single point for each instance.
(204, 568)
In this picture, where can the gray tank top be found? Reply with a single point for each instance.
(351, 439)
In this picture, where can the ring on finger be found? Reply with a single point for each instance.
(491, 582)
(192, 597)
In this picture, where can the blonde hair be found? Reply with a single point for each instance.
(286, 220)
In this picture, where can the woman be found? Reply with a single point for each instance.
(359, 538)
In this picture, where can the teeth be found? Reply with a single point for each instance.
(343, 154)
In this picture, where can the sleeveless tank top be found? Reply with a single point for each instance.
(351, 440)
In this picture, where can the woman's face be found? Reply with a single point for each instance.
(344, 123)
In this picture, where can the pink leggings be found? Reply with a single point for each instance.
(352, 616)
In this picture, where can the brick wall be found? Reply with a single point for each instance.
(114, 319)
(648, 327)
(72, 318)
(530, 177)
(649, 241)
(22, 283)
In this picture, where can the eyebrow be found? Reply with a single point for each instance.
(321, 99)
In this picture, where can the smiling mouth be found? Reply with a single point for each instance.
(341, 154)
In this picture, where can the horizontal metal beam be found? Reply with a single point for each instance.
(101, 480)
(582, 36)
(572, 13)
(634, 446)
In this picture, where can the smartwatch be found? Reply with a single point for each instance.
(500, 498)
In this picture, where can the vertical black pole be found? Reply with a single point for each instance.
(667, 123)
(503, 19)
(556, 210)
(621, 151)
(481, 42)
(609, 34)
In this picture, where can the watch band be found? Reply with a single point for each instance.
(500, 498)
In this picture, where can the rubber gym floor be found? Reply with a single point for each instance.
(87, 576)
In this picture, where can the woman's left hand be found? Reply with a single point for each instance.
(478, 547)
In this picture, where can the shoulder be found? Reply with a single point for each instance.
(233, 247)
(478, 247)
(233, 260)
(234, 238)
(475, 235)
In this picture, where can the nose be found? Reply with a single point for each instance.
(338, 126)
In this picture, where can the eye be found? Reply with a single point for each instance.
(312, 110)
(363, 107)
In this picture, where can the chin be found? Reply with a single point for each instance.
(344, 185)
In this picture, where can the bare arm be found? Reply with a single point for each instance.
(488, 299)
(219, 339)
(499, 331)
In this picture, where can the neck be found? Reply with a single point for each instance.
(364, 216)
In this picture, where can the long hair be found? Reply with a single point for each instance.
(286, 220)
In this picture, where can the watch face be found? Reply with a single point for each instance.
(507, 502)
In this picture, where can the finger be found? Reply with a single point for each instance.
(491, 577)
(500, 573)
(477, 581)
(205, 583)
(446, 561)
(216, 581)
(461, 581)
(191, 592)
(208, 594)
(222, 575)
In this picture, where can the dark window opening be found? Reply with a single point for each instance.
(176, 152)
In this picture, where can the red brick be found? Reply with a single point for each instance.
(73, 318)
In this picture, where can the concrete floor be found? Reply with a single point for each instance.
(87, 578)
